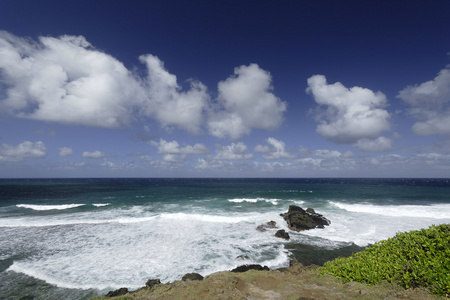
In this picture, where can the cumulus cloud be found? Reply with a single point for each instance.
(325, 153)
(169, 105)
(276, 150)
(376, 145)
(430, 104)
(246, 102)
(351, 115)
(65, 151)
(235, 151)
(64, 80)
(94, 154)
(173, 147)
(174, 153)
(68, 80)
(22, 151)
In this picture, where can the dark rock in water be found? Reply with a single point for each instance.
(270, 224)
(192, 276)
(282, 234)
(119, 292)
(245, 268)
(152, 282)
(243, 257)
(298, 219)
(261, 228)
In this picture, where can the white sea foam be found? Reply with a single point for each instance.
(365, 224)
(167, 246)
(101, 204)
(49, 207)
(436, 211)
(126, 246)
(254, 200)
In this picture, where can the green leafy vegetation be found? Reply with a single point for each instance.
(412, 259)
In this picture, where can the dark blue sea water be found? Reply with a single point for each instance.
(78, 238)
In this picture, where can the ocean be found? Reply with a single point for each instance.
(79, 238)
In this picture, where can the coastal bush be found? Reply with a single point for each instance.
(412, 259)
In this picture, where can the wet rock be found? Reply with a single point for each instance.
(264, 227)
(245, 268)
(152, 282)
(282, 234)
(192, 276)
(119, 292)
(299, 219)
(261, 228)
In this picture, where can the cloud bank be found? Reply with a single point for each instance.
(67, 80)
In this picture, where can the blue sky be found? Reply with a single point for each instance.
(224, 88)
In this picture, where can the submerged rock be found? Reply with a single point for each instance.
(270, 224)
(192, 276)
(245, 268)
(243, 257)
(282, 234)
(299, 219)
(119, 292)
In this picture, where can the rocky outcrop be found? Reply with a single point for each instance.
(152, 282)
(299, 219)
(245, 268)
(282, 234)
(192, 276)
(119, 292)
(264, 227)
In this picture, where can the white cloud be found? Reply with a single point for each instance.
(168, 104)
(173, 147)
(351, 114)
(67, 80)
(94, 154)
(245, 102)
(65, 151)
(22, 151)
(327, 153)
(64, 80)
(173, 153)
(430, 104)
(376, 145)
(276, 151)
(234, 151)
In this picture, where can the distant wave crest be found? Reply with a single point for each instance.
(436, 211)
(49, 207)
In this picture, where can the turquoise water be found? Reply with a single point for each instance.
(77, 238)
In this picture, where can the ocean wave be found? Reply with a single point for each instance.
(205, 218)
(101, 204)
(254, 200)
(434, 211)
(49, 207)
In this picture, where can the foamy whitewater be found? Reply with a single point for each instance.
(78, 238)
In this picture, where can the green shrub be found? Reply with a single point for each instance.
(412, 259)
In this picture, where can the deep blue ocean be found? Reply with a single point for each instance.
(79, 238)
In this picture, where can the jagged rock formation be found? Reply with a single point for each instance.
(299, 219)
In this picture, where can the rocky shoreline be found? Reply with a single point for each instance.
(258, 282)
(296, 282)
